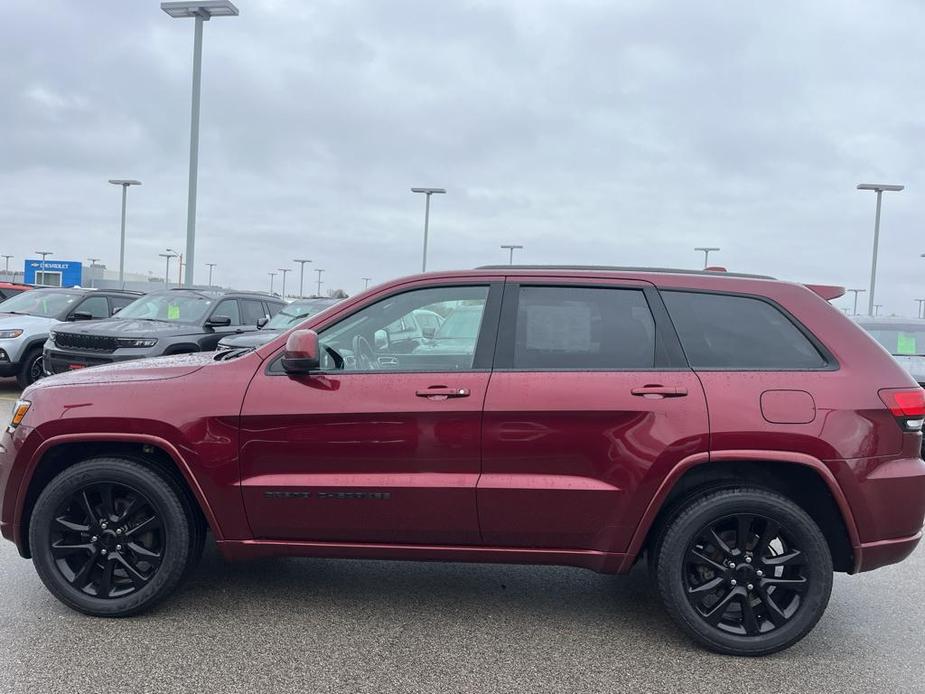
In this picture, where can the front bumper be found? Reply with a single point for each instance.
(57, 361)
(8, 365)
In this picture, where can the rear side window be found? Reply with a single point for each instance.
(719, 331)
(583, 328)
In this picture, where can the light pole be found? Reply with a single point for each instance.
(879, 188)
(211, 267)
(877, 308)
(856, 292)
(428, 192)
(7, 267)
(285, 271)
(511, 249)
(44, 255)
(272, 277)
(319, 271)
(92, 265)
(918, 313)
(706, 250)
(366, 279)
(168, 255)
(125, 183)
(301, 262)
(201, 11)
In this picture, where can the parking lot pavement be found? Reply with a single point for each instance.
(9, 391)
(321, 625)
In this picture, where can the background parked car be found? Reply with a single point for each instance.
(904, 338)
(177, 321)
(25, 320)
(289, 317)
(11, 289)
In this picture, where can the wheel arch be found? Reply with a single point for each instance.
(804, 479)
(59, 453)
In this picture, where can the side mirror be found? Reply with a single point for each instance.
(218, 322)
(381, 338)
(429, 331)
(116, 310)
(262, 322)
(81, 315)
(302, 354)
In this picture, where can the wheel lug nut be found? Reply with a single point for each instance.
(104, 525)
(732, 582)
(119, 547)
(732, 565)
(94, 538)
(748, 559)
(103, 552)
(759, 573)
(750, 586)
(118, 531)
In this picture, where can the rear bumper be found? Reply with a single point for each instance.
(873, 555)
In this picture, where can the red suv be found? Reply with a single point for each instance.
(740, 432)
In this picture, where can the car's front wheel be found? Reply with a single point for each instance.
(111, 537)
(32, 368)
(744, 571)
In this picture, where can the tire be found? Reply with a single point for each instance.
(27, 372)
(779, 585)
(119, 562)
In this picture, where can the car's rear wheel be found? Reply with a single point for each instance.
(31, 368)
(111, 537)
(744, 571)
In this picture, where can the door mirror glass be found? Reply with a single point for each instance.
(381, 338)
(219, 322)
(302, 354)
(262, 322)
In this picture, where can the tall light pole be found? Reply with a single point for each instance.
(319, 271)
(44, 255)
(918, 313)
(272, 277)
(211, 268)
(856, 292)
(877, 308)
(301, 262)
(428, 192)
(366, 279)
(168, 255)
(878, 188)
(285, 271)
(7, 266)
(125, 183)
(511, 249)
(92, 265)
(706, 250)
(201, 11)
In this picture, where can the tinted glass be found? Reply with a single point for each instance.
(583, 328)
(719, 331)
(251, 311)
(900, 339)
(120, 302)
(176, 307)
(297, 311)
(41, 302)
(386, 337)
(96, 306)
(229, 307)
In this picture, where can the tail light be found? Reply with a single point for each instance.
(907, 405)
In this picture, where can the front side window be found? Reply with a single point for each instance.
(386, 336)
(40, 302)
(722, 331)
(582, 328)
(173, 307)
(229, 308)
(96, 306)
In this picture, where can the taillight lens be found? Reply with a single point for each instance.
(907, 405)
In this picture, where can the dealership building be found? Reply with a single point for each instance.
(73, 273)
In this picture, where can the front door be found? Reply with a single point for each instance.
(590, 404)
(383, 443)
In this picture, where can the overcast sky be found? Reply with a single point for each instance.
(589, 131)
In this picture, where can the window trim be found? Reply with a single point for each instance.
(831, 362)
(668, 353)
(482, 359)
(215, 311)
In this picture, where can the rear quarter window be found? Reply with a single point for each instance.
(722, 331)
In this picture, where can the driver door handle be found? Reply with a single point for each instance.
(442, 393)
(656, 391)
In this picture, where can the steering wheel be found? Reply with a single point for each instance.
(364, 355)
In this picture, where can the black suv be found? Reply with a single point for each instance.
(176, 321)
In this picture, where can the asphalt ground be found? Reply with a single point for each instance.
(318, 625)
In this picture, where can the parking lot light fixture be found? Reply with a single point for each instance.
(168, 255)
(366, 280)
(856, 292)
(319, 271)
(301, 262)
(201, 11)
(879, 188)
(211, 268)
(125, 183)
(44, 255)
(427, 192)
(918, 313)
(706, 250)
(272, 277)
(285, 271)
(7, 265)
(511, 248)
(93, 262)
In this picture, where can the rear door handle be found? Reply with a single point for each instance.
(442, 393)
(655, 391)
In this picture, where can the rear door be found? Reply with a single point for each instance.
(589, 405)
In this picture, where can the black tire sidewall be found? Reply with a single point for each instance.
(176, 524)
(669, 566)
(24, 377)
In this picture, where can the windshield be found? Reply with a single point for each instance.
(461, 323)
(296, 312)
(900, 340)
(173, 307)
(40, 303)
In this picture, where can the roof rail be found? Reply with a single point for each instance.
(618, 268)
